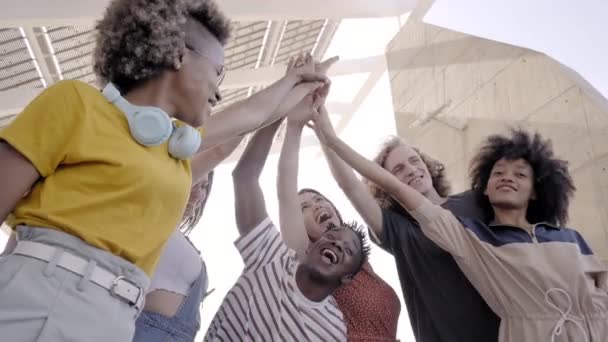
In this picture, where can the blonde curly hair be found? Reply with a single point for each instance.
(138, 39)
(436, 170)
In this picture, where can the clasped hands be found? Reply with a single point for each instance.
(311, 109)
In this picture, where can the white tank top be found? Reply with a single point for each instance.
(178, 267)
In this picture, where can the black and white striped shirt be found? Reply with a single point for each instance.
(265, 304)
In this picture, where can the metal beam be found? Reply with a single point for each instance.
(17, 13)
(14, 100)
(270, 46)
(348, 113)
(271, 43)
(307, 142)
(367, 87)
(325, 37)
(262, 76)
(43, 54)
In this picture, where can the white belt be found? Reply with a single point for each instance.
(118, 286)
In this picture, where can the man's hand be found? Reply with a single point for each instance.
(326, 64)
(309, 105)
(321, 93)
(303, 69)
(322, 125)
(303, 111)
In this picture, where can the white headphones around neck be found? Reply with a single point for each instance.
(151, 126)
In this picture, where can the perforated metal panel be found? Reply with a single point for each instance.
(246, 49)
(250, 47)
(17, 68)
(73, 48)
(299, 36)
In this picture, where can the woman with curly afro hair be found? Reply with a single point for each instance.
(107, 174)
(539, 277)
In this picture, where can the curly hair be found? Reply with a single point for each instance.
(436, 170)
(552, 181)
(313, 191)
(191, 218)
(138, 39)
(359, 230)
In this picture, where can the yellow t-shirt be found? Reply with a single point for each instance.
(98, 183)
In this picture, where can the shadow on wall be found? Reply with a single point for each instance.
(476, 87)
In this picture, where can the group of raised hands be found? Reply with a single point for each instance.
(311, 110)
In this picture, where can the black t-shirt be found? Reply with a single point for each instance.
(442, 304)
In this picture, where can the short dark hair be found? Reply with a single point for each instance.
(138, 39)
(190, 221)
(552, 181)
(313, 191)
(359, 230)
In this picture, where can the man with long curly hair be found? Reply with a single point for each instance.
(434, 288)
(107, 174)
(541, 278)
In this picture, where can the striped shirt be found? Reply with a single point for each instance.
(265, 304)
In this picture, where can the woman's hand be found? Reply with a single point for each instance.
(324, 66)
(321, 93)
(303, 112)
(302, 68)
(322, 125)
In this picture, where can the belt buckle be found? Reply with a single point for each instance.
(115, 284)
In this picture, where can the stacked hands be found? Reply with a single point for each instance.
(311, 110)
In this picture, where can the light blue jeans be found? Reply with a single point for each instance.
(154, 327)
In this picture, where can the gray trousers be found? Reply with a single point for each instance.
(42, 302)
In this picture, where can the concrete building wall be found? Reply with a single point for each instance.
(481, 87)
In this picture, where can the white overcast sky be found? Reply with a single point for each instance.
(571, 32)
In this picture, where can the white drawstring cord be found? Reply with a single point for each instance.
(565, 316)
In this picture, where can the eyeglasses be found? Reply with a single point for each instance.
(220, 69)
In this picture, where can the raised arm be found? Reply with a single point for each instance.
(297, 94)
(353, 188)
(408, 197)
(437, 223)
(292, 225)
(293, 230)
(204, 162)
(250, 207)
(262, 107)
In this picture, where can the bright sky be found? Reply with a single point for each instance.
(569, 31)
